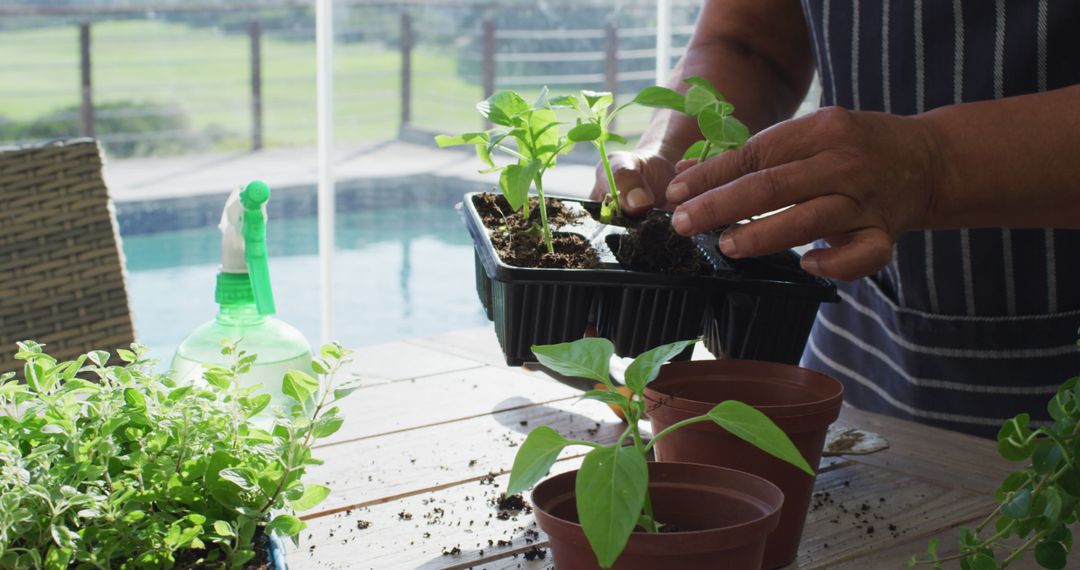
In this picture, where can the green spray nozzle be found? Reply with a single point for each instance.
(253, 228)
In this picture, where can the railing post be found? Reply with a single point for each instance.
(489, 59)
(86, 112)
(255, 35)
(611, 63)
(406, 68)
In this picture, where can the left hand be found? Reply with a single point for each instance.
(855, 179)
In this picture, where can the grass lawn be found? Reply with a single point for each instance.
(206, 73)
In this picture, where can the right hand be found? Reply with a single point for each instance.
(641, 178)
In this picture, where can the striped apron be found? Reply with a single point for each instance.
(964, 328)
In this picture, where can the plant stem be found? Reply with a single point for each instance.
(705, 151)
(647, 507)
(543, 213)
(1023, 548)
(610, 180)
(674, 427)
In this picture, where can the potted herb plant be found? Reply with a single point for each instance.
(620, 511)
(107, 464)
(1038, 505)
(801, 402)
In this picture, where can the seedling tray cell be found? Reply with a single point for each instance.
(760, 308)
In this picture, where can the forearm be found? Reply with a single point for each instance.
(1011, 162)
(756, 53)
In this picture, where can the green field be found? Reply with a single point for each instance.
(205, 73)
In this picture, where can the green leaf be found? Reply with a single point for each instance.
(982, 562)
(502, 107)
(327, 426)
(223, 528)
(534, 458)
(515, 180)
(1014, 438)
(1052, 511)
(702, 83)
(483, 152)
(598, 101)
(584, 132)
(1019, 506)
(1051, 555)
(721, 130)
(1046, 458)
(544, 130)
(612, 397)
(660, 98)
(584, 358)
(134, 398)
(610, 491)
(257, 404)
(695, 150)
(563, 102)
(313, 495)
(58, 558)
(299, 386)
(697, 99)
(646, 366)
(610, 136)
(286, 525)
(757, 429)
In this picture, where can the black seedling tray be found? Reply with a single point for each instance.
(638, 311)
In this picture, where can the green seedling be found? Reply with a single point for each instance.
(611, 488)
(111, 465)
(721, 130)
(1037, 506)
(595, 114)
(534, 128)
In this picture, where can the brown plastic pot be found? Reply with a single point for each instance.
(801, 402)
(723, 516)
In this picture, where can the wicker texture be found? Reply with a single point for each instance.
(62, 278)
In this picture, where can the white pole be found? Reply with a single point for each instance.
(324, 62)
(663, 41)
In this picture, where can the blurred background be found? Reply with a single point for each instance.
(192, 99)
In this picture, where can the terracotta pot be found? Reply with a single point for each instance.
(802, 403)
(723, 517)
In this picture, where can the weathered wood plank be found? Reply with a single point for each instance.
(396, 361)
(431, 400)
(384, 468)
(413, 532)
(945, 457)
(478, 344)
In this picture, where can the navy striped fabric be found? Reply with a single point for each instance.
(964, 328)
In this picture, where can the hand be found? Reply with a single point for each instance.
(856, 179)
(641, 178)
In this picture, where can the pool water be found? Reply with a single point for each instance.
(399, 272)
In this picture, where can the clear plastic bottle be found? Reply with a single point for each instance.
(245, 302)
(279, 346)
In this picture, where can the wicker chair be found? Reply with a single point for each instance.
(62, 278)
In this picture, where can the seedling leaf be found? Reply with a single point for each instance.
(534, 458)
(646, 366)
(503, 107)
(584, 132)
(515, 181)
(660, 98)
(584, 358)
(757, 429)
(313, 495)
(610, 491)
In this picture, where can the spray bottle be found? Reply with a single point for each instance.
(246, 303)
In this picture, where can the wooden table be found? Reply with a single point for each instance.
(428, 441)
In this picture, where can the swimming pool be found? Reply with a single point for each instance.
(402, 269)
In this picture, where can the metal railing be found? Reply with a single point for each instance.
(488, 51)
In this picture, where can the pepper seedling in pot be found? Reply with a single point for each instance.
(538, 142)
(611, 488)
